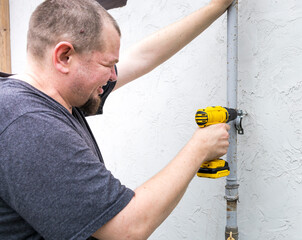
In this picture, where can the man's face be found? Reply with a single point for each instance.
(94, 71)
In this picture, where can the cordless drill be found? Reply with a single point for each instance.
(208, 116)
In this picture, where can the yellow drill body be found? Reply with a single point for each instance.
(208, 116)
(213, 115)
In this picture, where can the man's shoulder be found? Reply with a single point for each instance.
(19, 100)
(16, 97)
(12, 100)
(10, 87)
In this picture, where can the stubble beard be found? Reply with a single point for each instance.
(91, 106)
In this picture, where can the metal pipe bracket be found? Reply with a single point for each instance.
(238, 121)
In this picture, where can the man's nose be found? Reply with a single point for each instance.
(113, 76)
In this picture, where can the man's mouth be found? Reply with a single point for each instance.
(100, 90)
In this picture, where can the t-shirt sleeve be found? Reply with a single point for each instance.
(56, 182)
(109, 4)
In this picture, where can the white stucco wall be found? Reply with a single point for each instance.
(148, 121)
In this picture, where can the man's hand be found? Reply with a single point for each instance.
(211, 142)
(223, 4)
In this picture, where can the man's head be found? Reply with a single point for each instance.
(79, 22)
(79, 41)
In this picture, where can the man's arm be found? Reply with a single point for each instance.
(155, 199)
(160, 46)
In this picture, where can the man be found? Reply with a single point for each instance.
(53, 182)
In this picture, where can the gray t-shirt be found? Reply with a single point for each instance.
(53, 182)
(109, 4)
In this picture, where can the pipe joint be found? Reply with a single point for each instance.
(231, 198)
(231, 233)
(231, 193)
(231, 186)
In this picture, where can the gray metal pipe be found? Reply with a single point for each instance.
(231, 188)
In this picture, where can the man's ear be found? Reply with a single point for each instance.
(62, 55)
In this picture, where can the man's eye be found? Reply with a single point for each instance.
(109, 66)
(105, 65)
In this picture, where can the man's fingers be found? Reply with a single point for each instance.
(224, 125)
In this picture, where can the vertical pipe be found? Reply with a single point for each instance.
(5, 55)
(231, 188)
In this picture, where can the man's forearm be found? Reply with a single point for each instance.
(155, 199)
(160, 46)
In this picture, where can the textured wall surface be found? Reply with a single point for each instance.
(148, 121)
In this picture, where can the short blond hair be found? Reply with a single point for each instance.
(79, 22)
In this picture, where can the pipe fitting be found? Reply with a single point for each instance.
(231, 233)
(231, 198)
(231, 192)
(232, 186)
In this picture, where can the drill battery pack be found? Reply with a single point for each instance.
(214, 169)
